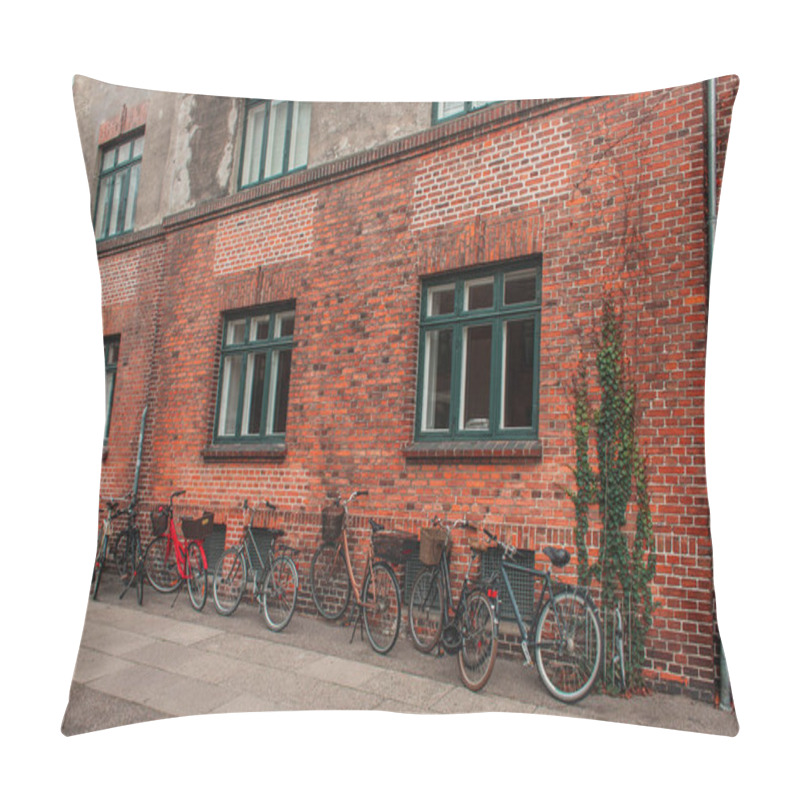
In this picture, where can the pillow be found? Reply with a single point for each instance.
(482, 318)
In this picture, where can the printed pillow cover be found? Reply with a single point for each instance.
(391, 333)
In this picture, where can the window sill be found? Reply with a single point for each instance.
(232, 452)
(436, 451)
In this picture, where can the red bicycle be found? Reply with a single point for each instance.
(170, 562)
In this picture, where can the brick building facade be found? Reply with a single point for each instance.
(413, 294)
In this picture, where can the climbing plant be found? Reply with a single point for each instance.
(625, 564)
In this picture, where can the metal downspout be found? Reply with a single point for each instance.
(711, 200)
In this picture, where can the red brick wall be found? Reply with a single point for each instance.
(611, 191)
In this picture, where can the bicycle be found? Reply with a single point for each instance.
(127, 554)
(275, 578)
(377, 603)
(565, 627)
(104, 531)
(468, 627)
(170, 562)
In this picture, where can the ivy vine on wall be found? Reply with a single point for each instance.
(612, 477)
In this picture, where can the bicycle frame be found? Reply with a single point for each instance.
(343, 546)
(545, 593)
(182, 546)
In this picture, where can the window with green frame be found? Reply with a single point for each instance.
(118, 186)
(444, 111)
(275, 139)
(479, 354)
(255, 363)
(111, 349)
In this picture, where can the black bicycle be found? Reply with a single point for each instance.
(127, 554)
(104, 532)
(565, 629)
(275, 578)
(468, 627)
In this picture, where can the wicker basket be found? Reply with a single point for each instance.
(159, 519)
(432, 542)
(198, 528)
(332, 519)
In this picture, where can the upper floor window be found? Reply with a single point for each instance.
(111, 349)
(275, 139)
(118, 186)
(479, 354)
(255, 363)
(443, 111)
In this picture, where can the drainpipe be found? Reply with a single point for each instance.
(711, 162)
(711, 208)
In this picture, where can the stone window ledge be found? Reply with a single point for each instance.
(438, 451)
(229, 452)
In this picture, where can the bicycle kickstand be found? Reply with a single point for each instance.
(357, 621)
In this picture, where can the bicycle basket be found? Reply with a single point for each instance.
(332, 519)
(159, 519)
(431, 544)
(198, 528)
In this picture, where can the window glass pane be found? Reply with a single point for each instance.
(254, 393)
(276, 138)
(281, 367)
(102, 207)
(108, 158)
(285, 324)
(235, 332)
(115, 199)
(138, 147)
(229, 397)
(476, 375)
(441, 300)
(254, 136)
(301, 124)
(130, 202)
(259, 328)
(109, 395)
(112, 350)
(520, 287)
(438, 368)
(479, 294)
(449, 109)
(518, 374)
(124, 152)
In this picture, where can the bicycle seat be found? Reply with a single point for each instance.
(557, 555)
(376, 526)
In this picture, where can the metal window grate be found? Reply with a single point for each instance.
(523, 585)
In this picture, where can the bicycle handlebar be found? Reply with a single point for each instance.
(508, 549)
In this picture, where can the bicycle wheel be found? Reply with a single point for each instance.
(568, 645)
(196, 576)
(139, 570)
(230, 576)
(279, 593)
(121, 555)
(381, 598)
(479, 641)
(99, 563)
(330, 583)
(426, 609)
(161, 566)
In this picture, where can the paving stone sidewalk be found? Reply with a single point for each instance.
(163, 659)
